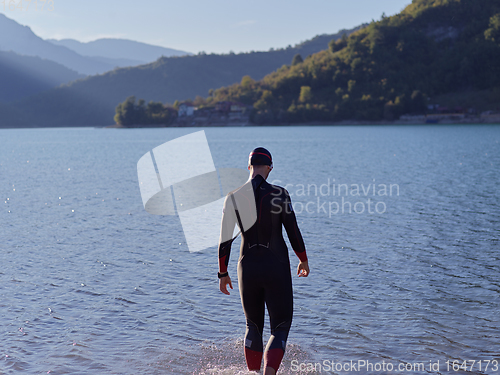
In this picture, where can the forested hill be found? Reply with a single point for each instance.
(92, 101)
(21, 76)
(390, 67)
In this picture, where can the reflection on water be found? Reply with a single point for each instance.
(91, 283)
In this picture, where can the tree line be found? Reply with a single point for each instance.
(129, 113)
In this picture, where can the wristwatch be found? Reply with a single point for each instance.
(221, 275)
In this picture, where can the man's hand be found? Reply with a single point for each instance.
(223, 284)
(303, 269)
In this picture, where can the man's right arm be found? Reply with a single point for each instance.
(226, 234)
(226, 239)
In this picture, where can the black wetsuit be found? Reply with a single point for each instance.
(264, 269)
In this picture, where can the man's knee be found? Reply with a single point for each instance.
(279, 335)
(282, 328)
(253, 336)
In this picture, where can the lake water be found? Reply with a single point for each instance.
(90, 283)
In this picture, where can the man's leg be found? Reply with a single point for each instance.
(275, 349)
(279, 301)
(253, 346)
(252, 300)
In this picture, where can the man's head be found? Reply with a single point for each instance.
(260, 162)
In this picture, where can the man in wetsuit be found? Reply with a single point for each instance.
(263, 266)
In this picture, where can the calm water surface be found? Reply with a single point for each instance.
(90, 283)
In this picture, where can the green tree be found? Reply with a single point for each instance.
(246, 82)
(493, 33)
(128, 113)
(297, 59)
(337, 45)
(305, 94)
(154, 107)
(154, 112)
(265, 102)
(351, 85)
(199, 101)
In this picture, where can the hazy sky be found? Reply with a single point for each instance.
(199, 25)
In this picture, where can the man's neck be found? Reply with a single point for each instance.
(257, 173)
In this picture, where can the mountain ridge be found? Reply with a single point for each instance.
(165, 80)
(116, 48)
(23, 41)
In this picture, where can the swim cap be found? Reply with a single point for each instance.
(260, 156)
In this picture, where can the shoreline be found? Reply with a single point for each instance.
(493, 120)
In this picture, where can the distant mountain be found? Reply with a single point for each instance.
(92, 101)
(119, 49)
(22, 40)
(21, 76)
(90, 58)
(117, 63)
